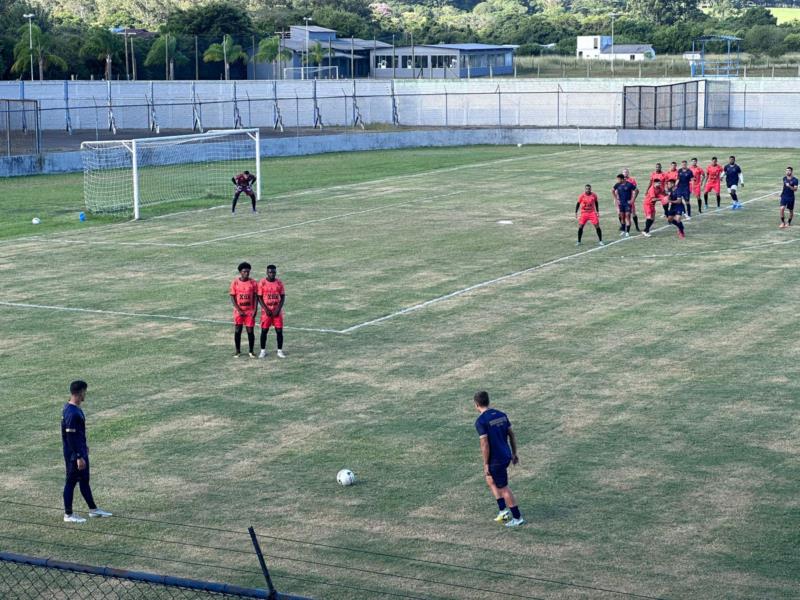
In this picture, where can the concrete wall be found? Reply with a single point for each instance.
(69, 162)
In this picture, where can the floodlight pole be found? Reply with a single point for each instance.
(30, 16)
(302, 70)
(613, 52)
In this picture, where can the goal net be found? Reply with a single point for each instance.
(125, 176)
(318, 72)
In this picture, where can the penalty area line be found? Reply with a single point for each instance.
(549, 263)
(119, 313)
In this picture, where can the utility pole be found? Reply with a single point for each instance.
(281, 35)
(30, 16)
(305, 61)
(125, 39)
(613, 52)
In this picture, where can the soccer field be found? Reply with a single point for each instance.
(652, 383)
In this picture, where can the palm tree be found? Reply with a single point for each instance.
(102, 45)
(165, 47)
(316, 54)
(42, 43)
(227, 52)
(270, 50)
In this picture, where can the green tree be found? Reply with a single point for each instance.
(664, 12)
(215, 19)
(42, 51)
(227, 52)
(756, 16)
(103, 45)
(165, 51)
(765, 39)
(316, 54)
(271, 51)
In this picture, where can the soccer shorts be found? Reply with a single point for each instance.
(588, 216)
(676, 210)
(268, 321)
(787, 203)
(624, 207)
(696, 190)
(74, 474)
(712, 186)
(248, 320)
(499, 473)
(650, 209)
(685, 195)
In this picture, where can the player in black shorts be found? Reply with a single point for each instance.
(787, 197)
(675, 208)
(623, 197)
(244, 184)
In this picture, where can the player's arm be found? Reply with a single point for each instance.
(280, 305)
(596, 205)
(635, 193)
(513, 441)
(577, 206)
(485, 454)
(236, 304)
(251, 179)
(71, 431)
(233, 180)
(741, 178)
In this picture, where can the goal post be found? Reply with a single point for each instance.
(127, 176)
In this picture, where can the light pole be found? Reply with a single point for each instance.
(30, 16)
(613, 52)
(302, 68)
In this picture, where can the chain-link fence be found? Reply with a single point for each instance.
(25, 577)
(673, 106)
(20, 132)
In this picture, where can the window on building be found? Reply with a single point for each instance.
(405, 62)
(421, 62)
(633, 57)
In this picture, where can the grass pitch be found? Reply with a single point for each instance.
(652, 383)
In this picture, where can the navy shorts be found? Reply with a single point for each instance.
(624, 207)
(684, 194)
(677, 209)
(787, 203)
(499, 473)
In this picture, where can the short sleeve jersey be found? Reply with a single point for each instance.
(675, 196)
(656, 176)
(271, 292)
(788, 183)
(243, 181)
(625, 191)
(732, 174)
(652, 195)
(73, 426)
(672, 175)
(714, 172)
(685, 176)
(245, 294)
(495, 426)
(632, 180)
(698, 174)
(588, 202)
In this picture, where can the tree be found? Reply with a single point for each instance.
(42, 53)
(664, 12)
(756, 16)
(165, 49)
(227, 52)
(215, 19)
(316, 54)
(270, 50)
(104, 46)
(765, 39)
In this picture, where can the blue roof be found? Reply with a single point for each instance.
(472, 46)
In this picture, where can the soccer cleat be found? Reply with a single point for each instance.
(621, 234)
(99, 512)
(503, 516)
(782, 226)
(688, 218)
(281, 354)
(600, 243)
(73, 518)
(251, 355)
(577, 243)
(646, 234)
(237, 354)
(262, 354)
(515, 522)
(681, 235)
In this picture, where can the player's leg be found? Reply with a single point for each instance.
(265, 324)
(70, 482)
(252, 200)
(251, 340)
(688, 201)
(705, 197)
(499, 478)
(86, 488)
(503, 513)
(235, 200)
(599, 234)
(677, 222)
(580, 234)
(734, 197)
(237, 337)
(635, 217)
(783, 216)
(279, 336)
(790, 206)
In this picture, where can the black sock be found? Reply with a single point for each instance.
(699, 205)
(718, 199)
(253, 202)
(515, 512)
(233, 206)
(734, 197)
(679, 225)
(790, 219)
(501, 503)
(635, 222)
(279, 334)
(689, 208)
(580, 234)
(627, 228)
(237, 339)
(647, 225)
(251, 339)
(599, 235)
(705, 197)
(264, 338)
(664, 206)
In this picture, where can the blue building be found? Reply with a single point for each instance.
(442, 61)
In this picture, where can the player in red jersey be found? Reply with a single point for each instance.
(653, 195)
(713, 174)
(244, 183)
(661, 176)
(672, 174)
(244, 292)
(271, 296)
(589, 211)
(634, 216)
(697, 183)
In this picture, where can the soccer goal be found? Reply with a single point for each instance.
(124, 176)
(318, 72)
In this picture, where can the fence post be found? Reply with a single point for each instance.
(499, 106)
(8, 127)
(273, 595)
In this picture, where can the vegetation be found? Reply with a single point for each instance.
(70, 42)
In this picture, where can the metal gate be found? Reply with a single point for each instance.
(672, 106)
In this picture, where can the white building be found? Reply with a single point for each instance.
(599, 47)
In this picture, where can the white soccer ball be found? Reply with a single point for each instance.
(519, 145)
(346, 477)
(35, 220)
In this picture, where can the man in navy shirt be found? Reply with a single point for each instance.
(623, 197)
(76, 454)
(683, 187)
(787, 197)
(734, 180)
(494, 430)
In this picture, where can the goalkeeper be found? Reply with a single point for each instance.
(244, 182)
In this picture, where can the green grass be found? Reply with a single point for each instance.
(785, 14)
(652, 384)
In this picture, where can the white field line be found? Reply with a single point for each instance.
(707, 252)
(515, 274)
(321, 220)
(119, 313)
(105, 242)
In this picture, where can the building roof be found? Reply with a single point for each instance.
(339, 44)
(314, 28)
(627, 49)
(473, 46)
